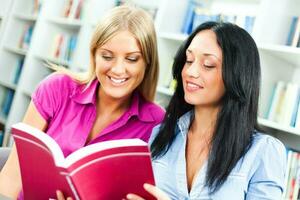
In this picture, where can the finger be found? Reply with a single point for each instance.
(59, 195)
(134, 197)
(156, 192)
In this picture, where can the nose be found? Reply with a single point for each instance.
(193, 70)
(118, 67)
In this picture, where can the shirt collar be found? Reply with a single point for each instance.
(184, 121)
(86, 94)
(137, 108)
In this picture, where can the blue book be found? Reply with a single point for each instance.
(187, 25)
(295, 109)
(292, 30)
(1, 137)
(18, 70)
(249, 23)
(7, 102)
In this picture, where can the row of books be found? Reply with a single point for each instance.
(196, 15)
(294, 32)
(7, 101)
(26, 37)
(72, 9)
(151, 10)
(284, 104)
(63, 46)
(17, 71)
(292, 176)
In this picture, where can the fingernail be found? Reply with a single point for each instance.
(128, 196)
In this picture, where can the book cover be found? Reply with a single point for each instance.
(105, 170)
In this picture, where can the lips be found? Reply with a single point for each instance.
(117, 81)
(191, 86)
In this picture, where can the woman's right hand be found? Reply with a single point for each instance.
(153, 190)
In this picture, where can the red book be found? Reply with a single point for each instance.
(105, 170)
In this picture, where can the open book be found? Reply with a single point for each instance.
(102, 171)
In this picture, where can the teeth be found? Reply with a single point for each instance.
(117, 80)
(192, 85)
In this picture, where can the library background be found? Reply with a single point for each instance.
(33, 32)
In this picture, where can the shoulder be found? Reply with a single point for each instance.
(58, 80)
(268, 144)
(156, 112)
(265, 152)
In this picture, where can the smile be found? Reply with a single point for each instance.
(118, 80)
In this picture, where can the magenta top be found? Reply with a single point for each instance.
(70, 110)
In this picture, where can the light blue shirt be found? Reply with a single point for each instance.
(258, 175)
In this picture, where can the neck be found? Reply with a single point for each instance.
(204, 121)
(109, 105)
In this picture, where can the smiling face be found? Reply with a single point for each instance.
(202, 73)
(120, 66)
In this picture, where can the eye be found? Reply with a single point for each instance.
(132, 59)
(189, 62)
(209, 66)
(107, 57)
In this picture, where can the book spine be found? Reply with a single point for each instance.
(189, 18)
(292, 30)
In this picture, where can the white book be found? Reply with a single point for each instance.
(277, 96)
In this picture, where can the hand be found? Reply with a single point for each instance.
(153, 190)
(60, 196)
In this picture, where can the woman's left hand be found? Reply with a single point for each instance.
(153, 190)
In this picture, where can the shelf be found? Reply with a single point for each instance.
(8, 85)
(173, 36)
(75, 23)
(26, 93)
(287, 53)
(16, 50)
(25, 17)
(54, 60)
(164, 90)
(274, 125)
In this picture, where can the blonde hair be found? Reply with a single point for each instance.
(139, 23)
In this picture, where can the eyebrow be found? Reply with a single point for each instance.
(139, 52)
(205, 54)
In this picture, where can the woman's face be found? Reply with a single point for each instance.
(120, 66)
(202, 73)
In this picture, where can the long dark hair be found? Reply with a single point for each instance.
(237, 118)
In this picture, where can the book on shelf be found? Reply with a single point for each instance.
(296, 36)
(17, 72)
(105, 170)
(9, 95)
(187, 25)
(284, 104)
(63, 46)
(72, 9)
(26, 37)
(150, 9)
(292, 30)
(292, 176)
(36, 7)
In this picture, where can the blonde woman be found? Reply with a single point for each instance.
(113, 100)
